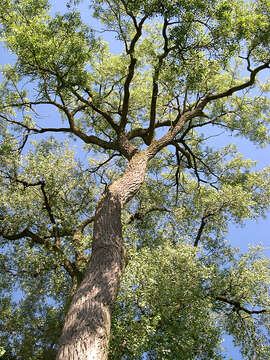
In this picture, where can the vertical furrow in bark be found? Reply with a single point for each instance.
(87, 325)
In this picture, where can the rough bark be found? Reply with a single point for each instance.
(87, 325)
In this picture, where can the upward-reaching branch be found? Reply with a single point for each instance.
(154, 97)
(89, 102)
(51, 215)
(77, 236)
(157, 145)
(236, 88)
(131, 69)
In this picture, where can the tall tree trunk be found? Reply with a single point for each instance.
(87, 325)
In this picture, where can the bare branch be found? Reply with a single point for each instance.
(140, 215)
(51, 215)
(95, 169)
(131, 69)
(178, 149)
(26, 233)
(88, 139)
(81, 227)
(157, 145)
(25, 183)
(201, 228)
(80, 256)
(183, 152)
(234, 89)
(154, 97)
(237, 306)
(194, 162)
(35, 130)
(90, 103)
(185, 99)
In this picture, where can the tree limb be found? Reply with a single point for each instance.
(154, 97)
(201, 228)
(26, 233)
(237, 306)
(51, 215)
(236, 88)
(140, 215)
(89, 102)
(130, 74)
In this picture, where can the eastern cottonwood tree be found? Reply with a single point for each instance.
(143, 188)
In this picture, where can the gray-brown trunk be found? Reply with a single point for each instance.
(87, 325)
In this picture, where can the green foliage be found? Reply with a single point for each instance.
(161, 301)
(185, 286)
(167, 294)
(47, 47)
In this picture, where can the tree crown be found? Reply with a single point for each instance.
(183, 69)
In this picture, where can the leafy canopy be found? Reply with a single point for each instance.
(184, 286)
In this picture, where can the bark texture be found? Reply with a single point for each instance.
(87, 325)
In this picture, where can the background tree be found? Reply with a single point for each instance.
(153, 196)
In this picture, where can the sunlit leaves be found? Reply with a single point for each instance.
(48, 47)
(181, 266)
(165, 308)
